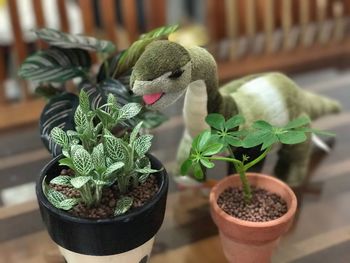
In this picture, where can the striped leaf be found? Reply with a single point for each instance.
(65, 40)
(98, 157)
(59, 136)
(55, 65)
(59, 200)
(80, 181)
(116, 148)
(61, 180)
(123, 205)
(82, 161)
(58, 112)
(142, 144)
(129, 111)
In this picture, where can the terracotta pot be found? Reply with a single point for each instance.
(251, 242)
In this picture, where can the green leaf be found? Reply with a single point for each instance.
(67, 162)
(207, 163)
(299, 122)
(135, 132)
(123, 205)
(160, 32)
(59, 136)
(198, 173)
(143, 143)
(61, 180)
(292, 137)
(216, 121)
(114, 167)
(203, 139)
(104, 116)
(233, 141)
(234, 122)
(80, 181)
(129, 111)
(212, 149)
(55, 65)
(186, 166)
(65, 40)
(316, 131)
(84, 102)
(82, 162)
(269, 140)
(116, 148)
(80, 119)
(255, 138)
(262, 125)
(98, 158)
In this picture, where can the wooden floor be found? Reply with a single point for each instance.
(321, 232)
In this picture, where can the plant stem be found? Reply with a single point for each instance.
(220, 158)
(247, 191)
(255, 161)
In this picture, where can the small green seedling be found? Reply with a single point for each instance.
(225, 135)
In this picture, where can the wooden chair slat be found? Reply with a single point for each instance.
(155, 13)
(87, 12)
(109, 18)
(62, 12)
(130, 19)
(2, 76)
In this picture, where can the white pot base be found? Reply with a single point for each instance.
(140, 254)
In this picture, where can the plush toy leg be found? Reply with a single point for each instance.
(293, 162)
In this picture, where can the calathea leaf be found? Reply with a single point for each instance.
(80, 181)
(143, 143)
(55, 65)
(59, 136)
(123, 205)
(82, 161)
(58, 112)
(61, 180)
(64, 40)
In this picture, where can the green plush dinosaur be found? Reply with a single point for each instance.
(166, 71)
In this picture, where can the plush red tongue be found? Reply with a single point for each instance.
(152, 98)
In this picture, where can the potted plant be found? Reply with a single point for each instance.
(252, 211)
(103, 199)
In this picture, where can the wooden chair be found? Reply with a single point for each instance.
(292, 35)
(27, 110)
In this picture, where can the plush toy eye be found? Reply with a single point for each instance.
(176, 74)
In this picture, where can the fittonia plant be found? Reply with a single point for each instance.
(209, 146)
(98, 158)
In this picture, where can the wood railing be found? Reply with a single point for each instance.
(26, 108)
(250, 36)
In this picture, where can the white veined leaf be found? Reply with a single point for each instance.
(68, 204)
(80, 181)
(67, 162)
(98, 157)
(129, 111)
(55, 198)
(82, 162)
(143, 178)
(123, 205)
(143, 162)
(84, 102)
(116, 148)
(65, 152)
(143, 143)
(59, 136)
(112, 168)
(135, 132)
(75, 147)
(65, 40)
(61, 180)
(80, 118)
(146, 170)
(101, 182)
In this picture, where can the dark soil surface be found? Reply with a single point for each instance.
(263, 207)
(141, 195)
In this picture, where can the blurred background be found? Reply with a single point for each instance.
(307, 39)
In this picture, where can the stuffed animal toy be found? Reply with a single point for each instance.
(166, 71)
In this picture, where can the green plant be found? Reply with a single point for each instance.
(98, 158)
(224, 135)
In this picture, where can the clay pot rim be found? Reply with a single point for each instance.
(281, 220)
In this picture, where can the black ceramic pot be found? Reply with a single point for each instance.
(104, 237)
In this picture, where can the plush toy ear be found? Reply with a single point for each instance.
(133, 53)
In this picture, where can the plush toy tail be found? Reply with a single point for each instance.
(317, 106)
